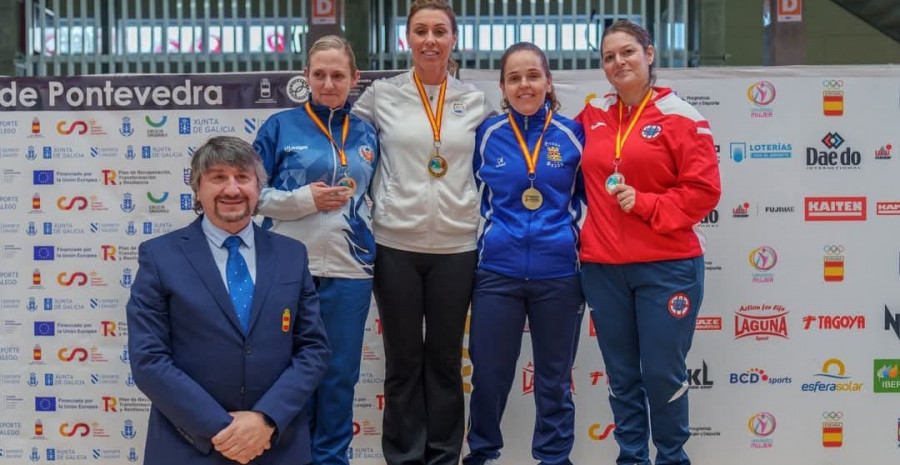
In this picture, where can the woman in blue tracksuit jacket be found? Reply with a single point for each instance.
(528, 162)
(318, 180)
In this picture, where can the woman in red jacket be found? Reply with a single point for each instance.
(651, 175)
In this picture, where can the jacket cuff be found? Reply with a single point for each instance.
(287, 205)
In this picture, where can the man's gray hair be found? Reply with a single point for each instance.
(225, 150)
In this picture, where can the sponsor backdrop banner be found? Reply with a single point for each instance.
(796, 353)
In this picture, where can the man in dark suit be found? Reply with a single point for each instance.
(225, 334)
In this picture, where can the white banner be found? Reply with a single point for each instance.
(796, 353)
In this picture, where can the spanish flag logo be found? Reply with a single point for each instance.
(833, 429)
(833, 263)
(833, 97)
(833, 102)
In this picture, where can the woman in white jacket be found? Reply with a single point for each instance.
(425, 219)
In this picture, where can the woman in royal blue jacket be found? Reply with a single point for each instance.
(528, 162)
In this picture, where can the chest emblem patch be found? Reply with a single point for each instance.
(650, 131)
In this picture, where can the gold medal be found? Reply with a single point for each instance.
(349, 183)
(532, 198)
(614, 180)
(437, 166)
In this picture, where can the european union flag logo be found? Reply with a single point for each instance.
(45, 404)
(44, 328)
(44, 252)
(43, 177)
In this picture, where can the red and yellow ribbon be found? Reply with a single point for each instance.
(345, 129)
(435, 120)
(532, 155)
(620, 139)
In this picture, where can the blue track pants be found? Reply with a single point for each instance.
(644, 315)
(554, 309)
(344, 306)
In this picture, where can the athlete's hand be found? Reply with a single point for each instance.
(625, 195)
(329, 198)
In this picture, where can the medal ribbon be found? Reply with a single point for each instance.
(434, 120)
(345, 129)
(620, 139)
(532, 156)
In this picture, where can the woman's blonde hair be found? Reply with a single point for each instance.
(333, 42)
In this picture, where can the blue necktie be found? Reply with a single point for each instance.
(240, 284)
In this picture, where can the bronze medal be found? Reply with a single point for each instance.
(349, 183)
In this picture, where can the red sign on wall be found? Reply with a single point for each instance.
(790, 11)
(324, 11)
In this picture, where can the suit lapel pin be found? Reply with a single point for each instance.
(286, 320)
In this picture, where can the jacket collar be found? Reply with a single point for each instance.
(323, 112)
(536, 119)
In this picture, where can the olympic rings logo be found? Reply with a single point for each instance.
(834, 416)
(833, 83)
(833, 249)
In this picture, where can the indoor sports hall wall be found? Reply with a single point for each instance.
(796, 353)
